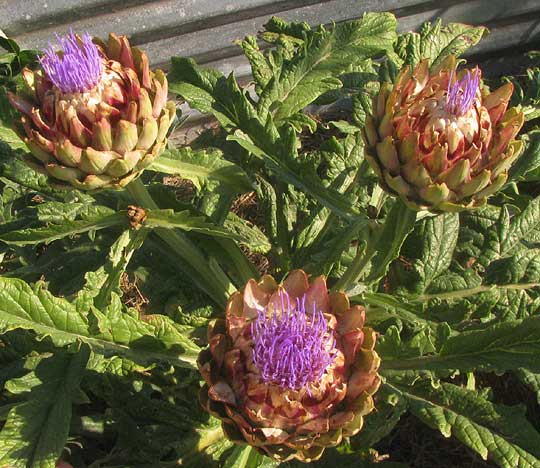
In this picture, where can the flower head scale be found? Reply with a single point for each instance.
(292, 346)
(77, 67)
(291, 369)
(462, 93)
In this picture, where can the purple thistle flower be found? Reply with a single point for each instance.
(291, 346)
(461, 93)
(77, 69)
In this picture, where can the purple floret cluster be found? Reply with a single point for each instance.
(461, 93)
(292, 347)
(77, 69)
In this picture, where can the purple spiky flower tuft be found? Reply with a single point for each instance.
(77, 69)
(461, 93)
(292, 347)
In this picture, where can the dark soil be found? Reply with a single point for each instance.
(132, 296)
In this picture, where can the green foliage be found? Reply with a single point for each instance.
(321, 59)
(36, 428)
(501, 433)
(108, 331)
(105, 297)
(13, 60)
(527, 93)
(262, 129)
(435, 42)
(203, 168)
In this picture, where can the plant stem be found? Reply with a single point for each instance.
(212, 280)
(283, 235)
(356, 268)
(244, 268)
(383, 244)
(210, 437)
(461, 293)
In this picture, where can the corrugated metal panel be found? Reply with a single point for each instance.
(207, 29)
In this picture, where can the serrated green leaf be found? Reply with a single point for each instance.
(301, 121)
(527, 93)
(54, 232)
(201, 166)
(293, 29)
(493, 431)
(38, 310)
(428, 251)
(10, 138)
(523, 267)
(200, 87)
(500, 347)
(532, 381)
(436, 42)
(101, 284)
(451, 282)
(260, 66)
(83, 206)
(249, 235)
(36, 430)
(529, 162)
(524, 227)
(16, 171)
(323, 56)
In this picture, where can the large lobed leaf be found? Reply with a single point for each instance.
(324, 55)
(34, 235)
(435, 42)
(37, 428)
(505, 346)
(202, 166)
(108, 332)
(495, 432)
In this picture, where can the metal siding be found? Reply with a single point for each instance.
(207, 29)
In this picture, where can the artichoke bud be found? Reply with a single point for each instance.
(291, 369)
(439, 140)
(94, 116)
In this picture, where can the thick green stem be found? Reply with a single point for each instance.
(356, 268)
(283, 235)
(383, 246)
(461, 293)
(243, 266)
(212, 280)
(209, 438)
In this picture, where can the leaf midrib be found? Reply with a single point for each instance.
(104, 346)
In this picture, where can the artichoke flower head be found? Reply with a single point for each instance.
(291, 369)
(94, 115)
(440, 140)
